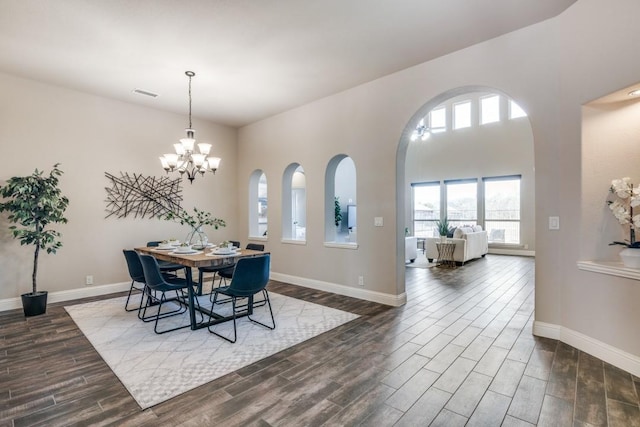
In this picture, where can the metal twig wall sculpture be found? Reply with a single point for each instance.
(142, 196)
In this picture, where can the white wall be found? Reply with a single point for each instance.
(550, 70)
(41, 125)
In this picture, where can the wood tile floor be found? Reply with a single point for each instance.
(460, 352)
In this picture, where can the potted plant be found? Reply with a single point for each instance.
(443, 228)
(201, 218)
(627, 197)
(337, 213)
(34, 202)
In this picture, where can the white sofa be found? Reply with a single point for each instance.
(471, 242)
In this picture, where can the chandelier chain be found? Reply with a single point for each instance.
(190, 75)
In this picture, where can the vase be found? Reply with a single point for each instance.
(630, 257)
(443, 239)
(197, 239)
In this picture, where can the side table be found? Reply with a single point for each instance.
(445, 254)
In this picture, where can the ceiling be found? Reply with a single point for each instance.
(252, 58)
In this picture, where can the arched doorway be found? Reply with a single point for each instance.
(465, 146)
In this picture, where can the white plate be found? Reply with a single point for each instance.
(224, 251)
(163, 248)
(189, 252)
(208, 245)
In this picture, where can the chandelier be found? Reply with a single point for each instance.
(185, 160)
(421, 132)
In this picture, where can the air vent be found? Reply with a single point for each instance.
(145, 92)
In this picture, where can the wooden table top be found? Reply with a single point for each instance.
(197, 260)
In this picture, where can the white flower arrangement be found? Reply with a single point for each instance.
(627, 198)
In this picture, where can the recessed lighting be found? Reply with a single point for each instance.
(145, 92)
(634, 92)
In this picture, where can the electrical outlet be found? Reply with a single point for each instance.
(360, 281)
(88, 280)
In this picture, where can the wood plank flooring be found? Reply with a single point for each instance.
(460, 352)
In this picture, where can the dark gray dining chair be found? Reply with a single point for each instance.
(227, 272)
(251, 277)
(213, 269)
(166, 266)
(136, 274)
(156, 283)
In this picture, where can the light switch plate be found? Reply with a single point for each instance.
(554, 223)
(378, 221)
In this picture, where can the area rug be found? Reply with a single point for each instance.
(155, 368)
(421, 262)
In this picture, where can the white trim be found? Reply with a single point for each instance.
(258, 238)
(504, 251)
(615, 356)
(293, 242)
(340, 245)
(611, 268)
(379, 297)
(68, 295)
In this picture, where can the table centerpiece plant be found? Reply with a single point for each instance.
(35, 202)
(199, 219)
(627, 197)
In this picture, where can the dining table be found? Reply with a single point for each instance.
(206, 257)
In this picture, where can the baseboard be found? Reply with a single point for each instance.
(603, 351)
(505, 251)
(364, 294)
(71, 294)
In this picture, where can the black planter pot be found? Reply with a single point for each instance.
(34, 304)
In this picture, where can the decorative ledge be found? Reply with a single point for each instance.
(258, 238)
(611, 268)
(293, 242)
(340, 245)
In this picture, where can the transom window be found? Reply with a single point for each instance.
(462, 115)
(489, 109)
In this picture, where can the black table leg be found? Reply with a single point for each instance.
(192, 310)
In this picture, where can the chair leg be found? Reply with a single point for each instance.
(235, 334)
(163, 299)
(131, 288)
(268, 303)
(153, 300)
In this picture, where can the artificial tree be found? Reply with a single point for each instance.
(34, 202)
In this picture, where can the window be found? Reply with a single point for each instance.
(515, 111)
(462, 202)
(489, 109)
(258, 204)
(502, 209)
(438, 120)
(462, 115)
(426, 208)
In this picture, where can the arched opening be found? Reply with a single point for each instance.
(294, 203)
(340, 201)
(258, 223)
(467, 156)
